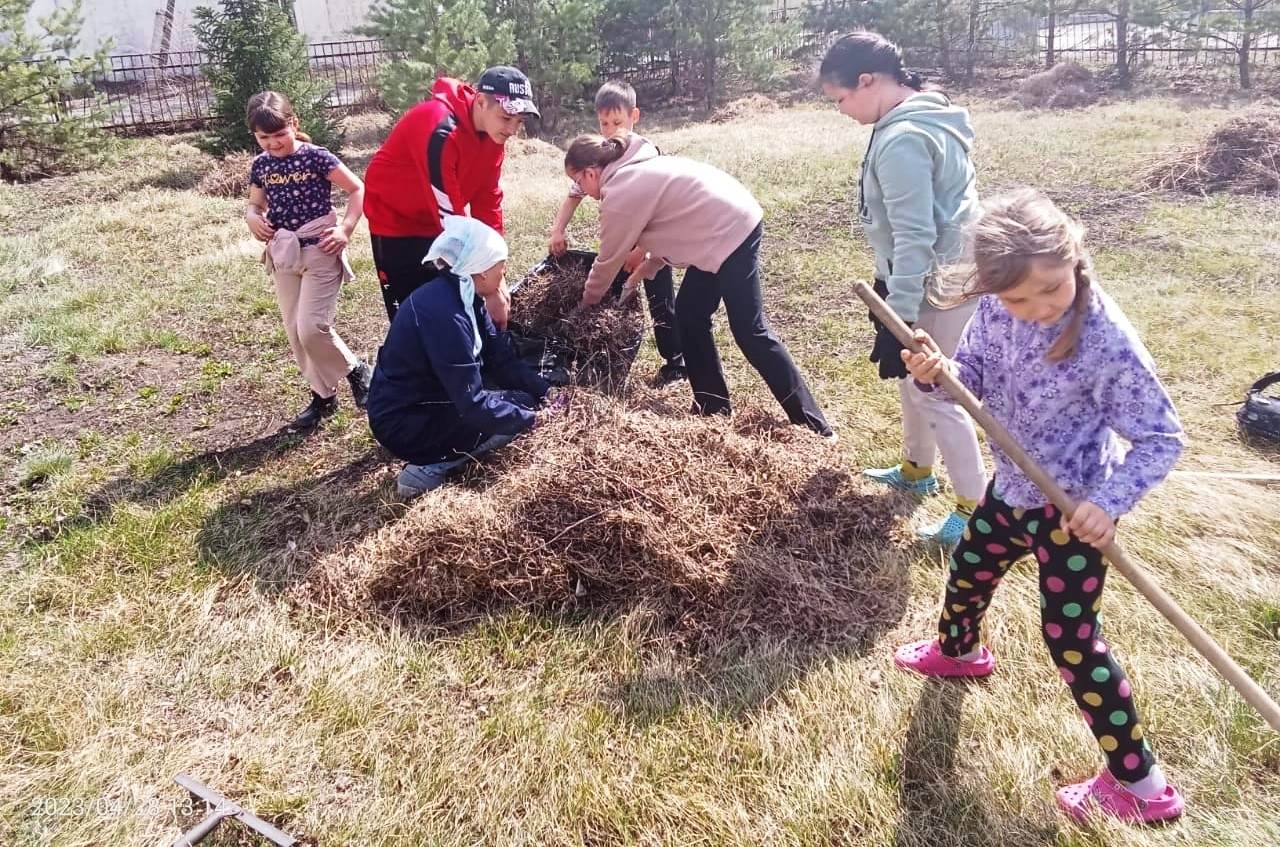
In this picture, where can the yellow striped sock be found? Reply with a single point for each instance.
(965, 506)
(912, 472)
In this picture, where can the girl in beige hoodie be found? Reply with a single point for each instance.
(689, 214)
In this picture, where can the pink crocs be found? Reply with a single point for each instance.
(927, 659)
(1105, 795)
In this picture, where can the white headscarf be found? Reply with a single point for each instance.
(469, 247)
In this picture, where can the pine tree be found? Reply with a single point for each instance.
(252, 46)
(557, 46)
(49, 113)
(725, 37)
(1236, 25)
(457, 38)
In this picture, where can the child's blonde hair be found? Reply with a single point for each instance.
(271, 111)
(1015, 230)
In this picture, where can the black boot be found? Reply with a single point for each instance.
(319, 409)
(672, 371)
(359, 378)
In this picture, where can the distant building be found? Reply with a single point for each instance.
(138, 26)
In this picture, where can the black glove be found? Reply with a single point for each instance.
(887, 353)
(881, 288)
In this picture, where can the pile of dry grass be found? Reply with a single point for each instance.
(1064, 86)
(742, 527)
(524, 146)
(547, 304)
(753, 105)
(229, 176)
(1241, 156)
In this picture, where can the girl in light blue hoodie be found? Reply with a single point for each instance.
(917, 194)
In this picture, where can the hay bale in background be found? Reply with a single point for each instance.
(1241, 156)
(730, 527)
(1071, 97)
(1064, 86)
(751, 106)
(229, 176)
(524, 146)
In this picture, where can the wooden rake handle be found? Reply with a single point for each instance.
(1139, 578)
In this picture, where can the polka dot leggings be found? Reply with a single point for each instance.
(1071, 577)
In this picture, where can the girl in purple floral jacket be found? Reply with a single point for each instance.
(1054, 359)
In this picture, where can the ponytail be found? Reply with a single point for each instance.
(865, 52)
(594, 151)
(1067, 343)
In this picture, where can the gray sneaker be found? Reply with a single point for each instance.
(419, 479)
(492, 443)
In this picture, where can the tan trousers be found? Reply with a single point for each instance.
(308, 305)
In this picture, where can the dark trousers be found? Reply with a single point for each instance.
(400, 267)
(1072, 574)
(421, 437)
(738, 284)
(660, 292)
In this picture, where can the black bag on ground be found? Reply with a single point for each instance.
(1259, 417)
(554, 357)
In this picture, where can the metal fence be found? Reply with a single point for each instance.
(164, 91)
(160, 91)
(1008, 35)
(651, 72)
(152, 92)
(1092, 41)
(349, 66)
(802, 42)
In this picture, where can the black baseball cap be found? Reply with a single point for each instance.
(510, 87)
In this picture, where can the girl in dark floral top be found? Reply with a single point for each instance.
(1054, 359)
(290, 208)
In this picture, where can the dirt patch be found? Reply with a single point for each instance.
(175, 395)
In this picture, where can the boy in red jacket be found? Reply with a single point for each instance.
(443, 157)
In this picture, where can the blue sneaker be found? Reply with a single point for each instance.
(947, 532)
(419, 479)
(893, 477)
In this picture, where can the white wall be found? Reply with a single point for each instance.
(330, 20)
(132, 24)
